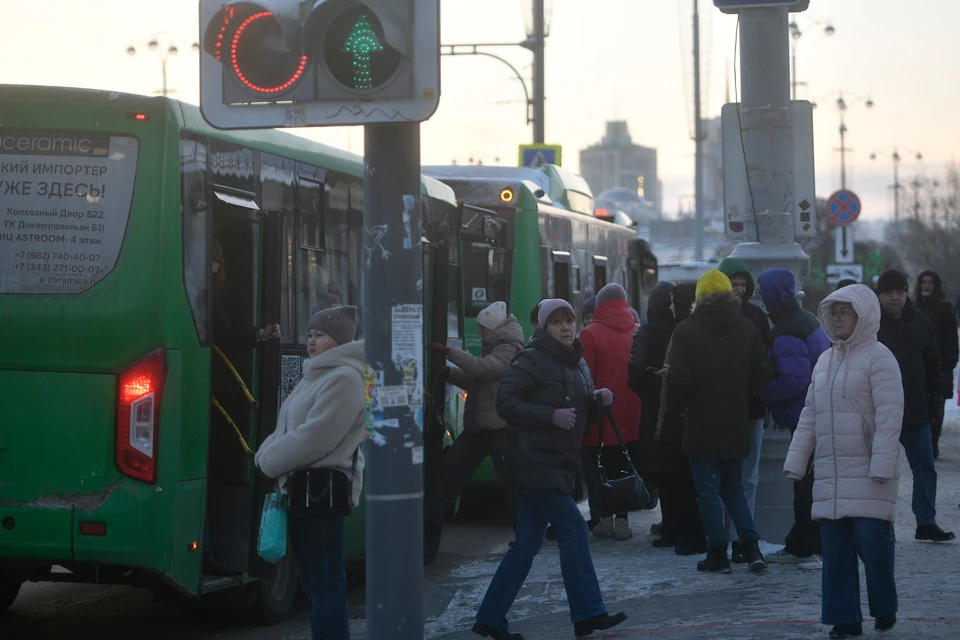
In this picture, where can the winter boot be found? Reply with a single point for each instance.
(716, 561)
(602, 622)
(497, 634)
(621, 529)
(604, 529)
(751, 551)
(933, 532)
(885, 623)
(846, 631)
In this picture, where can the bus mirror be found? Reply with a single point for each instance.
(492, 228)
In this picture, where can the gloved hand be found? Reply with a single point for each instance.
(439, 348)
(564, 418)
(605, 396)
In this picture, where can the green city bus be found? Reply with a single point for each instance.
(543, 250)
(115, 464)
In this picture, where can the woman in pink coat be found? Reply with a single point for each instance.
(851, 425)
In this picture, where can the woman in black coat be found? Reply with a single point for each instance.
(930, 298)
(547, 398)
(661, 421)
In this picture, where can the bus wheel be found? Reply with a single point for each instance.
(9, 588)
(278, 589)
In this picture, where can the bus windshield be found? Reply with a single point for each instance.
(66, 202)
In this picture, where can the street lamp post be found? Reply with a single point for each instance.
(795, 34)
(842, 106)
(896, 185)
(165, 53)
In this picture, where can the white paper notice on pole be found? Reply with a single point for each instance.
(407, 328)
(392, 396)
(65, 207)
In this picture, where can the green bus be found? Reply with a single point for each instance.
(543, 250)
(115, 464)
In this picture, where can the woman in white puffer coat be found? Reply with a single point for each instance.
(851, 425)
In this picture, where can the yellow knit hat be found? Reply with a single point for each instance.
(712, 282)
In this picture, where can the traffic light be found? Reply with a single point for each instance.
(276, 63)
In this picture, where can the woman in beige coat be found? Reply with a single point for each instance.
(851, 425)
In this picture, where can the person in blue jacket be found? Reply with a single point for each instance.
(797, 342)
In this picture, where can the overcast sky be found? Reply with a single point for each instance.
(606, 59)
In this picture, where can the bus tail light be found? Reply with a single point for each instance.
(138, 416)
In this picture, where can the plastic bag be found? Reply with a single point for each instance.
(272, 540)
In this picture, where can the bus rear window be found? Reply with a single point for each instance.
(64, 204)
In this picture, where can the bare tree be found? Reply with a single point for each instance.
(930, 238)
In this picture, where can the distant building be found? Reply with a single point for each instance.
(618, 162)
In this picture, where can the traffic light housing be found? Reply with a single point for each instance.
(288, 63)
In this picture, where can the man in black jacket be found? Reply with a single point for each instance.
(909, 335)
(716, 359)
(744, 288)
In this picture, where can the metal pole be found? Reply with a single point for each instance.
(163, 67)
(843, 153)
(896, 197)
(794, 82)
(539, 97)
(697, 131)
(393, 330)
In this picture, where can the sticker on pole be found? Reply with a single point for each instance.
(843, 207)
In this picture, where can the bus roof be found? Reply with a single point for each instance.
(555, 181)
(189, 116)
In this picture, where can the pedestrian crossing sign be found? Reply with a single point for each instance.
(537, 155)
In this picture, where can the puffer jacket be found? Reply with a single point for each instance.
(544, 376)
(717, 359)
(480, 377)
(798, 341)
(320, 424)
(606, 349)
(944, 326)
(852, 418)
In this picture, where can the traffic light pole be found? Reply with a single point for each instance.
(539, 90)
(393, 330)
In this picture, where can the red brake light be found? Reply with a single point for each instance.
(93, 528)
(139, 117)
(138, 416)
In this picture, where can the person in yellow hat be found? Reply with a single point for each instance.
(716, 359)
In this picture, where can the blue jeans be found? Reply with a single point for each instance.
(750, 476)
(317, 542)
(918, 444)
(536, 508)
(843, 540)
(716, 480)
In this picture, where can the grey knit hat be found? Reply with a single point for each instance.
(611, 292)
(340, 323)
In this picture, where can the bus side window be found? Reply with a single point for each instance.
(599, 273)
(561, 275)
(195, 212)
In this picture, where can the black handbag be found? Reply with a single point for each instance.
(617, 490)
(327, 491)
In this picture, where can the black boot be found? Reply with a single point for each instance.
(751, 552)
(716, 561)
(933, 532)
(497, 634)
(846, 631)
(885, 623)
(602, 622)
(737, 553)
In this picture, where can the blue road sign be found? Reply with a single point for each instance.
(843, 207)
(732, 6)
(537, 155)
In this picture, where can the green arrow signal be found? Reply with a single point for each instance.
(361, 43)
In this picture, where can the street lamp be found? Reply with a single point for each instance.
(895, 156)
(164, 53)
(795, 34)
(842, 105)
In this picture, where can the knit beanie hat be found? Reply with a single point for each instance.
(891, 280)
(636, 316)
(493, 316)
(547, 307)
(713, 282)
(340, 323)
(588, 307)
(612, 291)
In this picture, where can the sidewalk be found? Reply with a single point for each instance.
(666, 597)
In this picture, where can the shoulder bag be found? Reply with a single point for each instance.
(617, 490)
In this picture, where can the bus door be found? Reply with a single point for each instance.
(435, 287)
(236, 249)
(483, 244)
